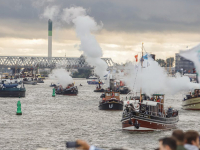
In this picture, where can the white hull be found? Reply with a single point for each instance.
(191, 104)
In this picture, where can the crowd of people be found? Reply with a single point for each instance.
(179, 140)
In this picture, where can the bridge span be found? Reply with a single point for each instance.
(46, 62)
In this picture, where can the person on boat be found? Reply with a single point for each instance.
(178, 135)
(158, 100)
(191, 140)
(167, 143)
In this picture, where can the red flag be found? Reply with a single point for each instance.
(136, 57)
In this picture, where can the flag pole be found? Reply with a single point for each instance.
(141, 70)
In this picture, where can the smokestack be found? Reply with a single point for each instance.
(49, 38)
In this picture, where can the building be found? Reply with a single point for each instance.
(183, 65)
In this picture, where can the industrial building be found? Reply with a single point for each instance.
(183, 65)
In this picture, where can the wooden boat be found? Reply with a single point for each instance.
(147, 115)
(192, 101)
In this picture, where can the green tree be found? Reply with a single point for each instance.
(161, 62)
(82, 73)
(170, 61)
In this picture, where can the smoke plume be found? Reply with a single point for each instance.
(84, 25)
(154, 79)
(62, 76)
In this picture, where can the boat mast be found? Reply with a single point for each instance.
(141, 70)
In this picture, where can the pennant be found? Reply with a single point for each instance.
(136, 57)
(145, 56)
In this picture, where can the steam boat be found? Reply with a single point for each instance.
(69, 90)
(148, 114)
(111, 99)
(192, 101)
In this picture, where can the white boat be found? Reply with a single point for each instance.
(192, 101)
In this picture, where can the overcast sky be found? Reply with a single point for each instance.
(164, 26)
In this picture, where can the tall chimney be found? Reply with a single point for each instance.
(49, 38)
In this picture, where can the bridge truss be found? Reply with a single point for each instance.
(45, 62)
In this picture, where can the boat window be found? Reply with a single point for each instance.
(116, 94)
(108, 94)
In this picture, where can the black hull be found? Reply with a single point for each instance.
(124, 91)
(12, 93)
(102, 90)
(111, 106)
(69, 92)
(72, 93)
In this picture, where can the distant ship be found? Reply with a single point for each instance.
(94, 80)
(28, 81)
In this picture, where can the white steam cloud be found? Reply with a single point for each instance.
(50, 12)
(62, 76)
(154, 79)
(84, 25)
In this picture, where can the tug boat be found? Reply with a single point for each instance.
(111, 99)
(192, 101)
(98, 88)
(148, 114)
(12, 90)
(69, 90)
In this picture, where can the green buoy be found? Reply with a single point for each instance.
(54, 93)
(19, 112)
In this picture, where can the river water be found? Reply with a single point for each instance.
(48, 122)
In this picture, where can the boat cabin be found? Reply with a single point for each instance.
(110, 95)
(155, 105)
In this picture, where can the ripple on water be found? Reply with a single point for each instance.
(51, 121)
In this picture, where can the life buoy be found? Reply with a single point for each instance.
(136, 107)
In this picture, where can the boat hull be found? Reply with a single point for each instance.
(191, 104)
(102, 90)
(111, 106)
(30, 82)
(93, 82)
(148, 124)
(12, 93)
(70, 93)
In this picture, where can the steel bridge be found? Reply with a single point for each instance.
(45, 62)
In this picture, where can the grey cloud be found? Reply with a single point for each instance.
(116, 15)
